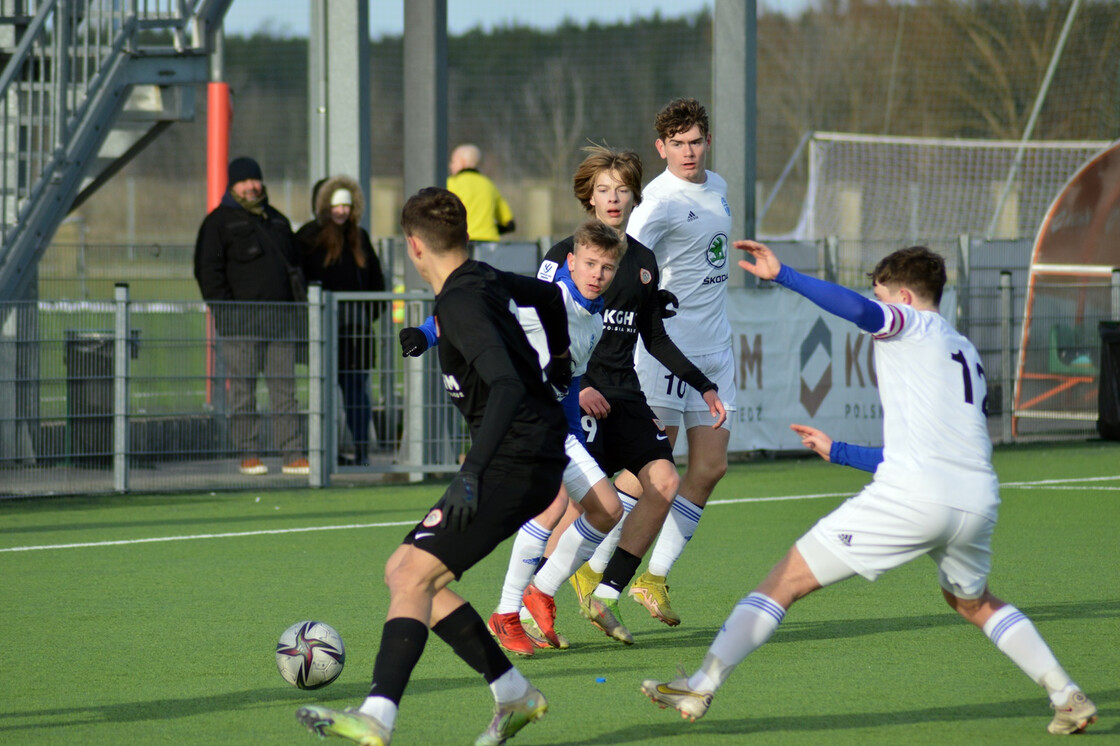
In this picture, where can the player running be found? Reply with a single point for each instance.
(584, 274)
(934, 492)
(494, 377)
(622, 432)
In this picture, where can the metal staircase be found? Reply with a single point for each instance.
(86, 85)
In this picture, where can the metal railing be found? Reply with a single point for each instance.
(120, 394)
(116, 396)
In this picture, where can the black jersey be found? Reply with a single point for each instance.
(490, 371)
(631, 309)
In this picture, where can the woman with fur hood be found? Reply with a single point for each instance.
(337, 253)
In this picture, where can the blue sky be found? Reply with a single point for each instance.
(292, 17)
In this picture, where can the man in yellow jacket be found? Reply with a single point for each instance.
(488, 214)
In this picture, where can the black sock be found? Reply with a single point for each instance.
(621, 569)
(402, 643)
(466, 633)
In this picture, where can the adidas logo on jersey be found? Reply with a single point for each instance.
(845, 539)
(692, 216)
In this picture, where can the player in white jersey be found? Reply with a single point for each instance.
(934, 491)
(589, 270)
(685, 219)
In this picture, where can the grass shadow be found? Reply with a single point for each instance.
(713, 726)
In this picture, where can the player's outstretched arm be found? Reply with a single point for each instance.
(837, 300)
(815, 440)
(415, 340)
(864, 458)
(765, 265)
(651, 328)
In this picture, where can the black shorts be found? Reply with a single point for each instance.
(628, 438)
(512, 491)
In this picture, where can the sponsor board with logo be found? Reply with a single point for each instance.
(795, 363)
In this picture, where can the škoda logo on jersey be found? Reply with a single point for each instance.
(452, 385)
(717, 251)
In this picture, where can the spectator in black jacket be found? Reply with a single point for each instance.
(243, 260)
(336, 251)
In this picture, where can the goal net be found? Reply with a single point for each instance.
(890, 188)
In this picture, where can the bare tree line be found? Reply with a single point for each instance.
(530, 98)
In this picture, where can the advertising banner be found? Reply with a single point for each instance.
(798, 364)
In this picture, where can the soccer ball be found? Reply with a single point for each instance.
(310, 654)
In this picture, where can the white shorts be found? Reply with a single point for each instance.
(878, 530)
(582, 472)
(675, 401)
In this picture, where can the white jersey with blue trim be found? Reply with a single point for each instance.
(688, 226)
(936, 446)
(585, 329)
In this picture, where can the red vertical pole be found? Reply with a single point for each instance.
(218, 118)
(219, 115)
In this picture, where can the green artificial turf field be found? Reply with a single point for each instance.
(148, 620)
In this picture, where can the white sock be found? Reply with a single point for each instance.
(751, 623)
(605, 592)
(605, 550)
(509, 686)
(381, 708)
(679, 527)
(1017, 638)
(523, 560)
(575, 546)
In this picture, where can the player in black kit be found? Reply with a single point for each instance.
(511, 473)
(622, 431)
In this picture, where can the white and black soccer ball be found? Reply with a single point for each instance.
(310, 655)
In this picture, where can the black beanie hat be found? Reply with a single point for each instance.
(243, 168)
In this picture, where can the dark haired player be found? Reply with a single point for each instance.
(686, 220)
(510, 474)
(934, 492)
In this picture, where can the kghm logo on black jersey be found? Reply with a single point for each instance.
(616, 320)
(717, 251)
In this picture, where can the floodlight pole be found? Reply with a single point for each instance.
(1038, 102)
(734, 75)
(339, 76)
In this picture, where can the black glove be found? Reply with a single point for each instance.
(559, 374)
(668, 303)
(413, 342)
(460, 501)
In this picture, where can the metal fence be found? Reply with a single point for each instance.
(150, 396)
(126, 394)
